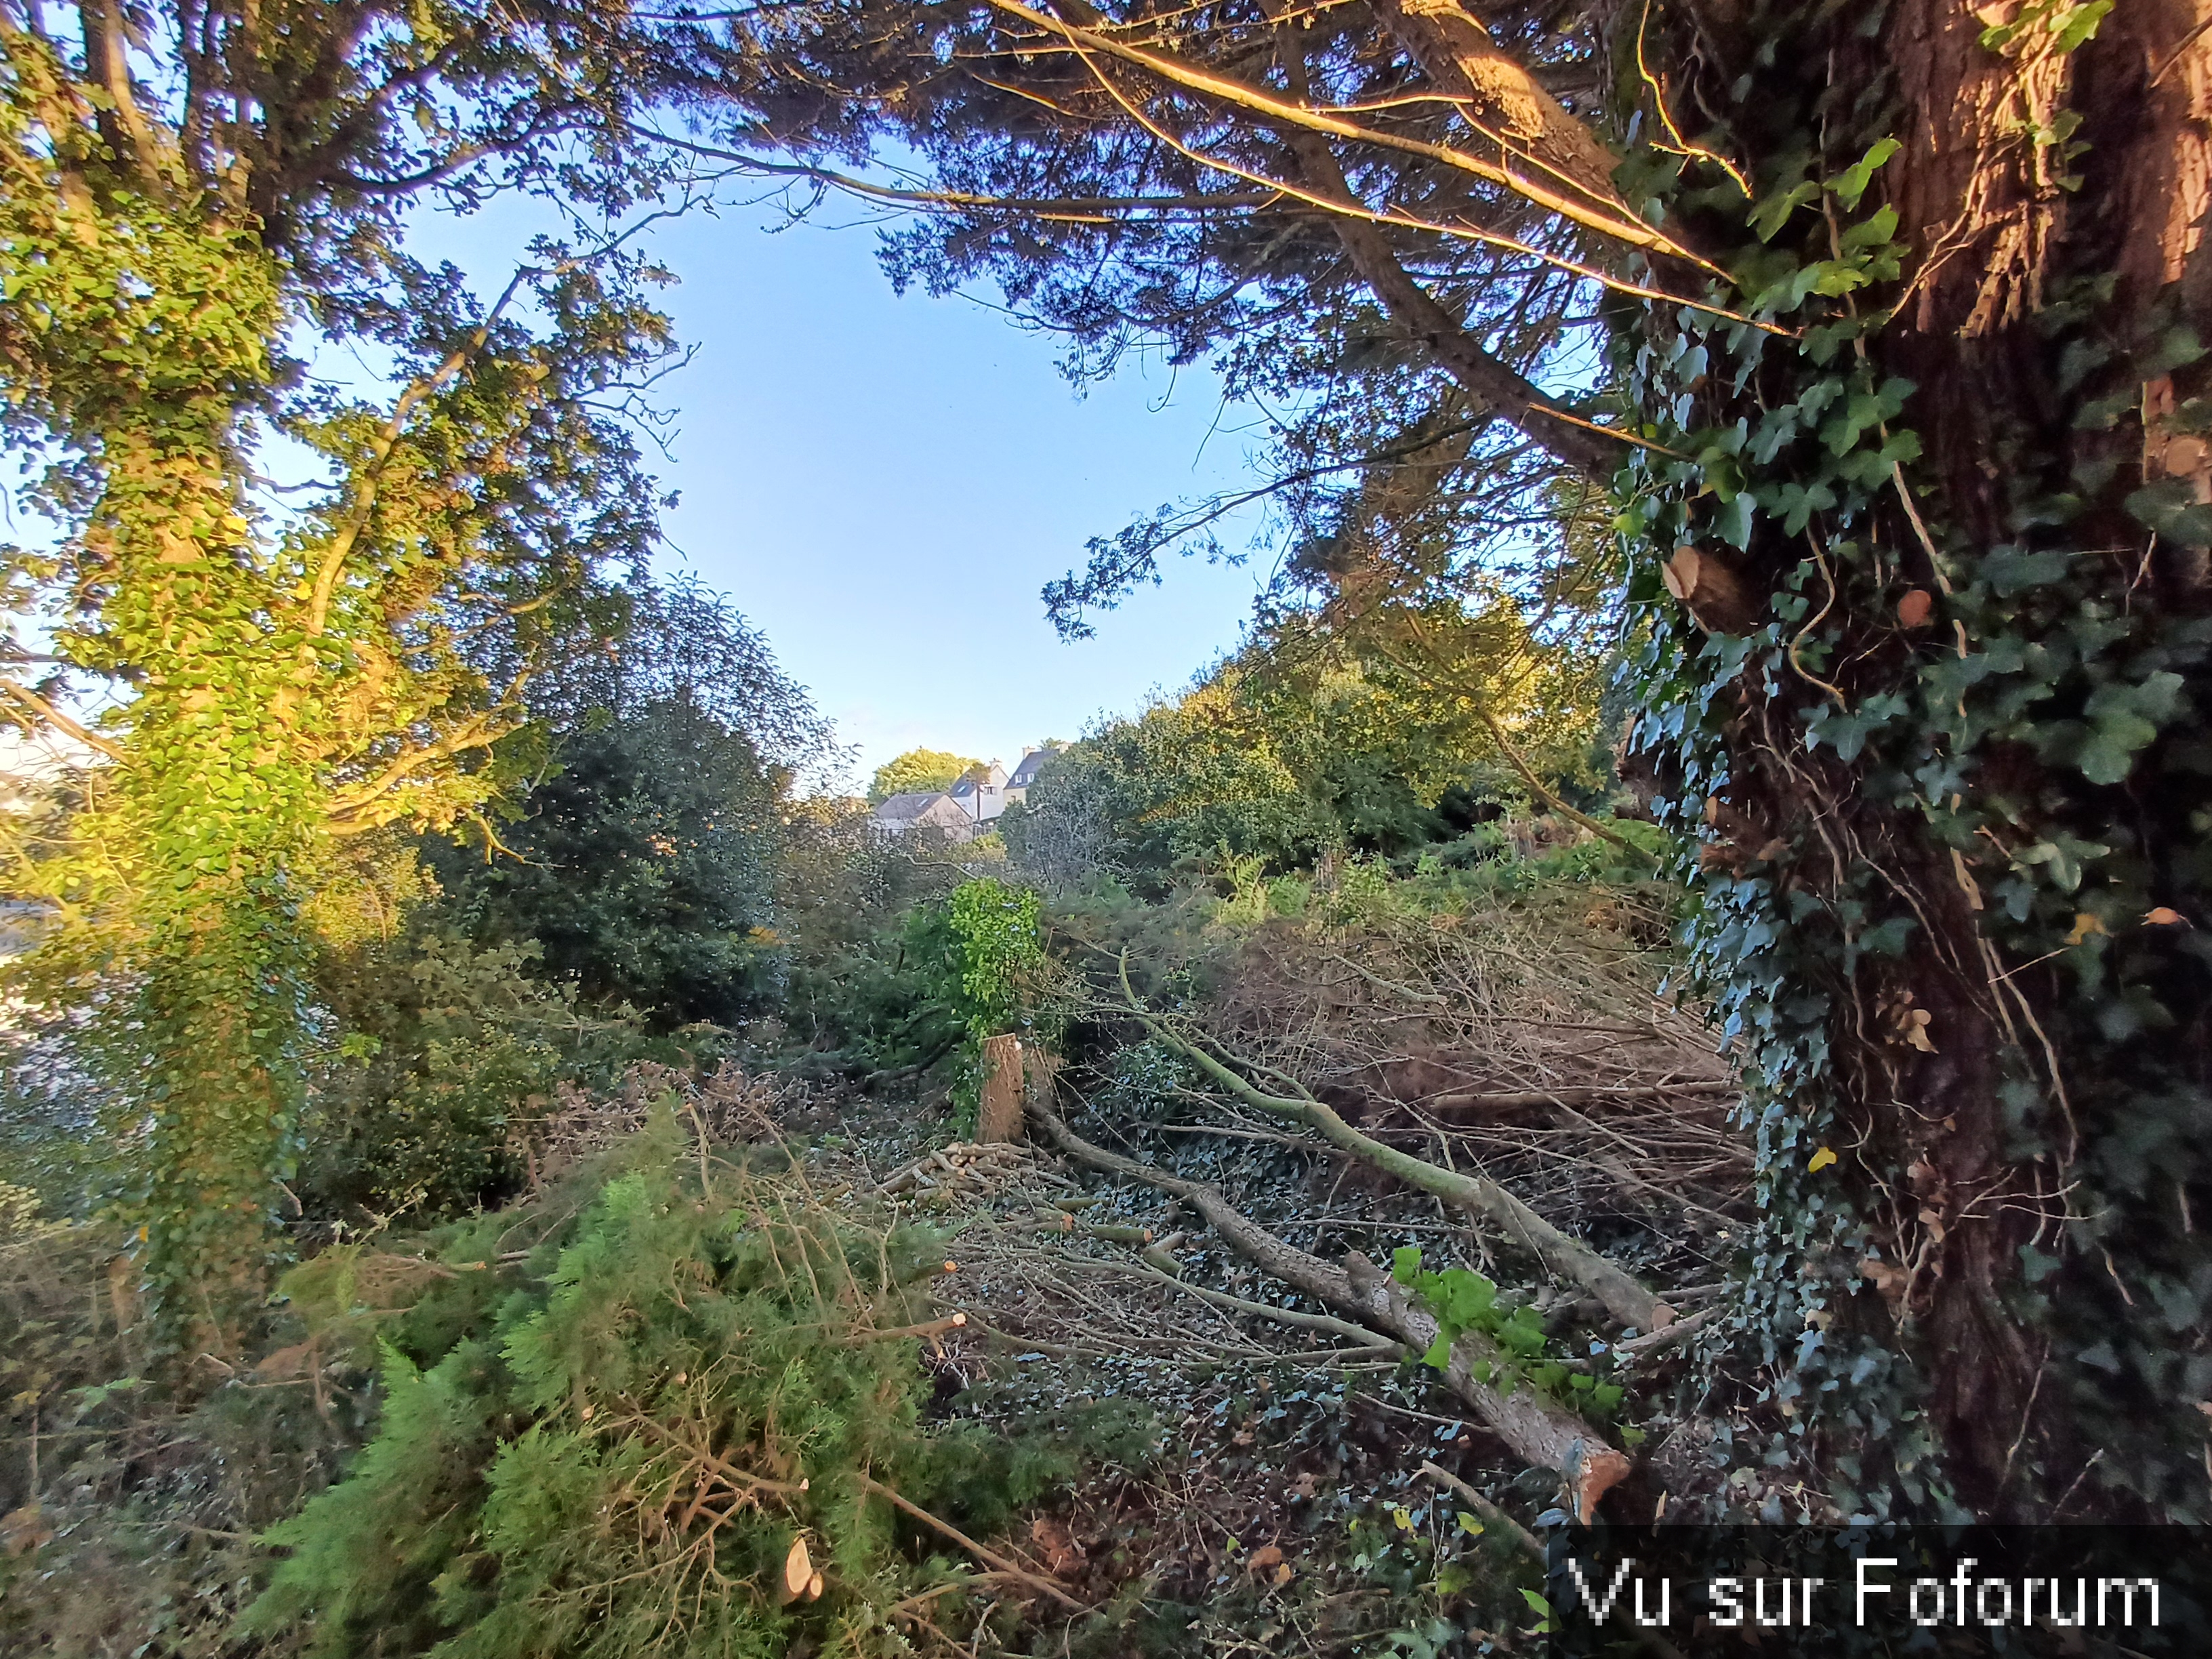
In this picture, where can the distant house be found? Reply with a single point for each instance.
(1017, 785)
(981, 794)
(922, 808)
(972, 801)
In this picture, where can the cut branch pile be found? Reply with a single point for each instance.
(1478, 1194)
(969, 1170)
(1526, 1041)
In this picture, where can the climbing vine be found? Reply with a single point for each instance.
(253, 687)
(1947, 814)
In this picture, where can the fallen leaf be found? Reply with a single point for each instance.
(2084, 924)
(1283, 1575)
(1821, 1160)
(23, 1530)
(1886, 1279)
(1913, 610)
(1265, 1556)
(2162, 917)
(1056, 1545)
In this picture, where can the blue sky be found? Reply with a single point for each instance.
(883, 484)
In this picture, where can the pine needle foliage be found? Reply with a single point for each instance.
(612, 1441)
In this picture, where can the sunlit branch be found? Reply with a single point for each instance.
(1615, 225)
(1083, 209)
(26, 698)
(387, 438)
(1351, 208)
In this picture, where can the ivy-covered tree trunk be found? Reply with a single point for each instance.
(2054, 335)
(262, 683)
(1927, 668)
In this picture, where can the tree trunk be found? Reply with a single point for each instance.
(999, 1116)
(1958, 818)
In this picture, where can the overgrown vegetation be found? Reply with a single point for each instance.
(627, 1414)
(1696, 864)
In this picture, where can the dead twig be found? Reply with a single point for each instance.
(989, 1558)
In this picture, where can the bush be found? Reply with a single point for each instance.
(436, 1044)
(694, 1376)
(643, 869)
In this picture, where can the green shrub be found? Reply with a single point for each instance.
(643, 869)
(611, 1445)
(436, 1045)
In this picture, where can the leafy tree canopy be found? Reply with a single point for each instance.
(1313, 738)
(190, 195)
(642, 868)
(919, 769)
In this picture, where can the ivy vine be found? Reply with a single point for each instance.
(1943, 679)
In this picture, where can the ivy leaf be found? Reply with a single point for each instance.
(2170, 508)
(2009, 570)
(1734, 521)
(1846, 730)
(2108, 753)
(1889, 939)
(2077, 26)
(1851, 183)
(1867, 468)
(1872, 231)
(1797, 503)
(2125, 718)
(1772, 213)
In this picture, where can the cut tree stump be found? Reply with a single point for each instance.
(1000, 1115)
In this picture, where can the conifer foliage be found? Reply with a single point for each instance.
(656, 1409)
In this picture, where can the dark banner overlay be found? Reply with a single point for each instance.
(1778, 1592)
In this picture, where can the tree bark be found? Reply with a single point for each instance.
(1537, 140)
(998, 1115)
(1974, 1087)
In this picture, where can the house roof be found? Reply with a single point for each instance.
(911, 804)
(994, 777)
(1025, 773)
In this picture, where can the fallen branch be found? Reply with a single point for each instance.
(1520, 1099)
(1627, 1301)
(1329, 1323)
(930, 1329)
(1537, 1428)
(989, 1558)
(1658, 1341)
(1489, 1511)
